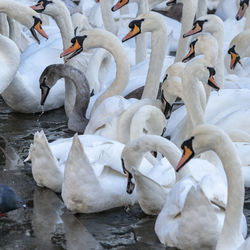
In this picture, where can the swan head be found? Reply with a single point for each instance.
(204, 137)
(242, 9)
(171, 87)
(199, 68)
(37, 26)
(40, 6)
(203, 44)
(47, 80)
(197, 27)
(119, 4)
(135, 29)
(208, 23)
(235, 57)
(76, 47)
(146, 22)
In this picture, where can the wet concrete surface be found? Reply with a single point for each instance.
(46, 223)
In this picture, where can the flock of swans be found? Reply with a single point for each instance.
(118, 88)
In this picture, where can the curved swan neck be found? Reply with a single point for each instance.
(141, 40)
(193, 96)
(107, 16)
(201, 9)
(188, 14)
(158, 52)
(4, 25)
(230, 237)
(247, 22)
(14, 31)
(62, 17)
(135, 150)
(100, 38)
(82, 89)
(9, 61)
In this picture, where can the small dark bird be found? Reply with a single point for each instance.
(9, 200)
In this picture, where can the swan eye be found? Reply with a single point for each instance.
(44, 79)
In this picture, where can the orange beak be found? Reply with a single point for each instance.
(118, 5)
(135, 31)
(194, 30)
(186, 156)
(234, 59)
(71, 49)
(39, 29)
(212, 83)
(190, 55)
(241, 11)
(37, 7)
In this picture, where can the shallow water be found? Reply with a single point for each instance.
(46, 224)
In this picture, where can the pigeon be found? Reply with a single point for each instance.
(9, 200)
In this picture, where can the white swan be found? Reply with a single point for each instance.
(238, 50)
(186, 211)
(101, 38)
(153, 185)
(85, 192)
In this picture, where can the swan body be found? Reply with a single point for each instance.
(84, 192)
(100, 152)
(187, 201)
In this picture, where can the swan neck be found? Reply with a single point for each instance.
(219, 66)
(230, 237)
(157, 56)
(201, 9)
(63, 21)
(192, 98)
(14, 31)
(78, 79)
(18, 11)
(107, 16)
(135, 150)
(141, 40)
(188, 14)
(247, 22)
(104, 39)
(4, 25)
